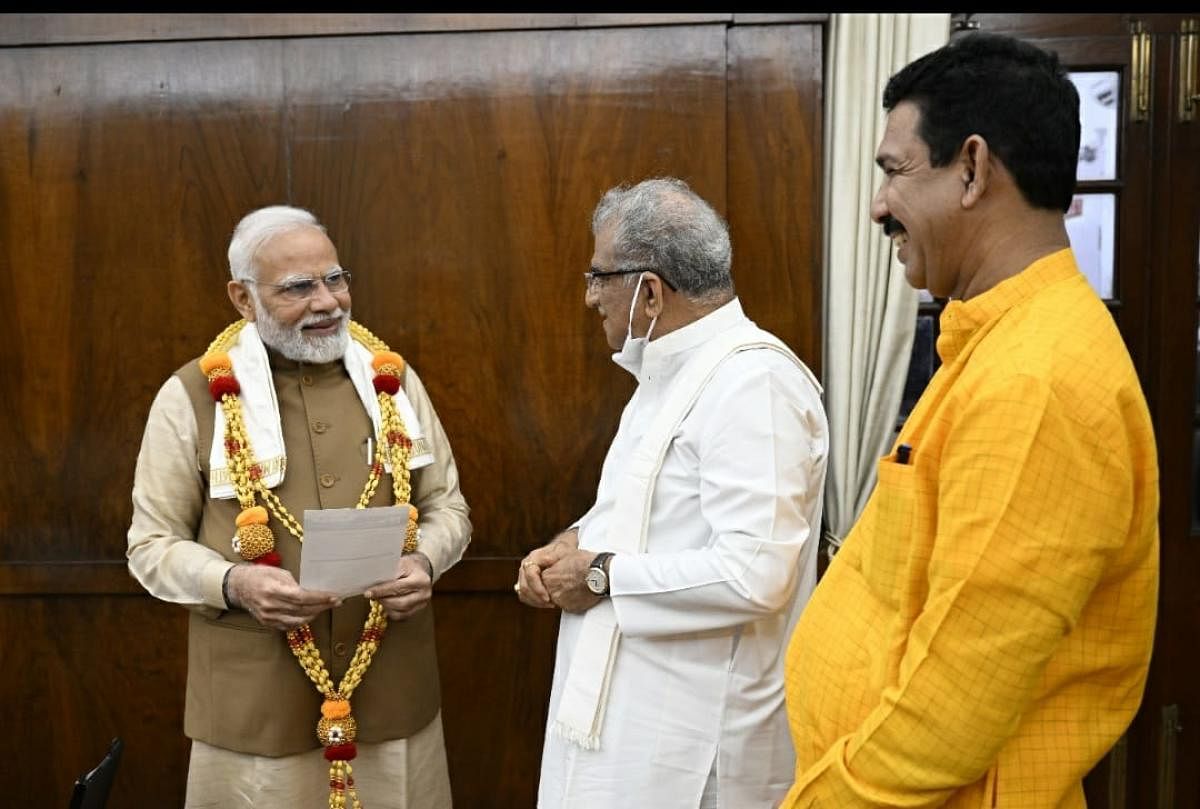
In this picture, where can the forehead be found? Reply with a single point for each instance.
(902, 141)
(303, 251)
(604, 254)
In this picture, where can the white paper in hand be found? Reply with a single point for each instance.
(346, 550)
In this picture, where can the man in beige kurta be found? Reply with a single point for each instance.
(251, 710)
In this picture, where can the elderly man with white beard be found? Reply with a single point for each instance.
(294, 408)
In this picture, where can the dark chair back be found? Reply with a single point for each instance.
(91, 790)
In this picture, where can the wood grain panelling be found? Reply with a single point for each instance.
(775, 217)
(490, 151)
(42, 29)
(494, 706)
(1174, 393)
(779, 18)
(76, 673)
(124, 170)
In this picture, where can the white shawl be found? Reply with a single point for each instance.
(580, 716)
(260, 412)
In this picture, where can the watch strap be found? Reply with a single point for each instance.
(598, 564)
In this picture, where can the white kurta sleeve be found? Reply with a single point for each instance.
(758, 438)
(168, 497)
(442, 510)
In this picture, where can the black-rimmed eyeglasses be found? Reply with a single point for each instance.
(302, 288)
(594, 277)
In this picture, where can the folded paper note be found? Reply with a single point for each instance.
(346, 550)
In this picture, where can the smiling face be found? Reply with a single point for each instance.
(313, 330)
(920, 206)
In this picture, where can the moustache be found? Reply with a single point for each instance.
(891, 227)
(313, 319)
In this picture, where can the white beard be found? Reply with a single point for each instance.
(291, 342)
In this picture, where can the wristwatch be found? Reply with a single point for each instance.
(596, 578)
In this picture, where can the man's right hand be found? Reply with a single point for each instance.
(530, 588)
(274, 598)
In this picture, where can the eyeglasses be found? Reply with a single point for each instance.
(301, 289)
(593, 277)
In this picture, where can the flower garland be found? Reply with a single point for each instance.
(255, 542)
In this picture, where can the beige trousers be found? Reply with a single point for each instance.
(401, 774)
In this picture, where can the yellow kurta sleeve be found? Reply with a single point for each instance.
(1030, 505)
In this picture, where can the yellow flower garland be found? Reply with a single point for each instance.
(255, 541)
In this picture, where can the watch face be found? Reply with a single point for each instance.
(596, 581)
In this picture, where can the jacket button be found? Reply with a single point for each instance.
(319, 427)
(306, 379)
(339, 649)
(327, 480)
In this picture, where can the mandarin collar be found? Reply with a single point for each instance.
(661, 352)
(962, 320)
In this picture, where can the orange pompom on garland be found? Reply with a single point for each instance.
(219, 370)
(254, 540)
(389, 367)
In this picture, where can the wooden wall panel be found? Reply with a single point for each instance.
(497, 660)
(775, 197)
(78, 671)
(124, 171)
(490, 151)
(42, 29)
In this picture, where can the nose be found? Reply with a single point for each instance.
(591, 295)
(322, 299)
(879, 209)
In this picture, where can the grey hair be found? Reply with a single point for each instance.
(664, 225)
(256, 228)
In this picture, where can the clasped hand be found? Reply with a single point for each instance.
(553, 575)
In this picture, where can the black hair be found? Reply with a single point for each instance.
(1017, 97)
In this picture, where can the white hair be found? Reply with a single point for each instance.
(663, 225)
(256, 228)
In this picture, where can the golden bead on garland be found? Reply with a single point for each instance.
(254, 540)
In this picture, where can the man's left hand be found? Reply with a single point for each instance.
(565, 582)
(409, 592)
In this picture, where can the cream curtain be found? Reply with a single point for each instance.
(870, 311)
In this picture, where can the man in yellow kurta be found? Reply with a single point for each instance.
(984, 634)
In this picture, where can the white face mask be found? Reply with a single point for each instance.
(630, 355)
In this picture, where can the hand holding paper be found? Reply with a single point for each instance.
(274, 599)
(347, 550)
(409, 592)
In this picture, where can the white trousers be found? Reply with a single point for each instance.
(400, 774)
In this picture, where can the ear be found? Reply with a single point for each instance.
(240, 296)
(655, 289)
(975, 164)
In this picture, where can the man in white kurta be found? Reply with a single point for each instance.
(668, 685)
